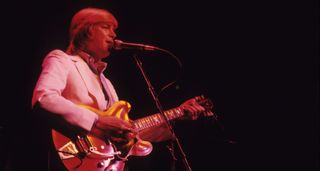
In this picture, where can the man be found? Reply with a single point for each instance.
(73, 79)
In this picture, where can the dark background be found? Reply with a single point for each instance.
(257, 61)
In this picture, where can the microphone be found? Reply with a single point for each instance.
(119, 44)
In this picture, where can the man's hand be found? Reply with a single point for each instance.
(192, 108)
(114, 128)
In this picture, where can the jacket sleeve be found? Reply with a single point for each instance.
(49, 88)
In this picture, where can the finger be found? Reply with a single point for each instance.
(130, 135)
(193, 109)
(126, 126)
(190, 111)
(127, 135)
(199, 108)
(195, 112)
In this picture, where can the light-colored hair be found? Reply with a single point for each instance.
(81, 23)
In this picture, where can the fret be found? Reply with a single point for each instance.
(154, 120)
(151, 120)
(170, 114)
(143, 122)
(140, 124)
(178, 111)
(173, 114)
(148, 121)
(167, 114)
(136, 125)
(157, 119)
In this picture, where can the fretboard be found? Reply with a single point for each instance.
(157, 119)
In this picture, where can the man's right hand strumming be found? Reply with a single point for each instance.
(116, 129)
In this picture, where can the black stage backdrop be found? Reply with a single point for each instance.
(257, 62)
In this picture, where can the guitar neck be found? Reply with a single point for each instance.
(157, 119)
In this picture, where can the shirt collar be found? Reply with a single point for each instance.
(96, 67)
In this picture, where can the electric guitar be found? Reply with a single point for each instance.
(90, 153)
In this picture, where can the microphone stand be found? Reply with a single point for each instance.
(159, 106)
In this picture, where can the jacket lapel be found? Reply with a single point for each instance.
(90, 80)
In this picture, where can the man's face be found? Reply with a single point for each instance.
(101, 39)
